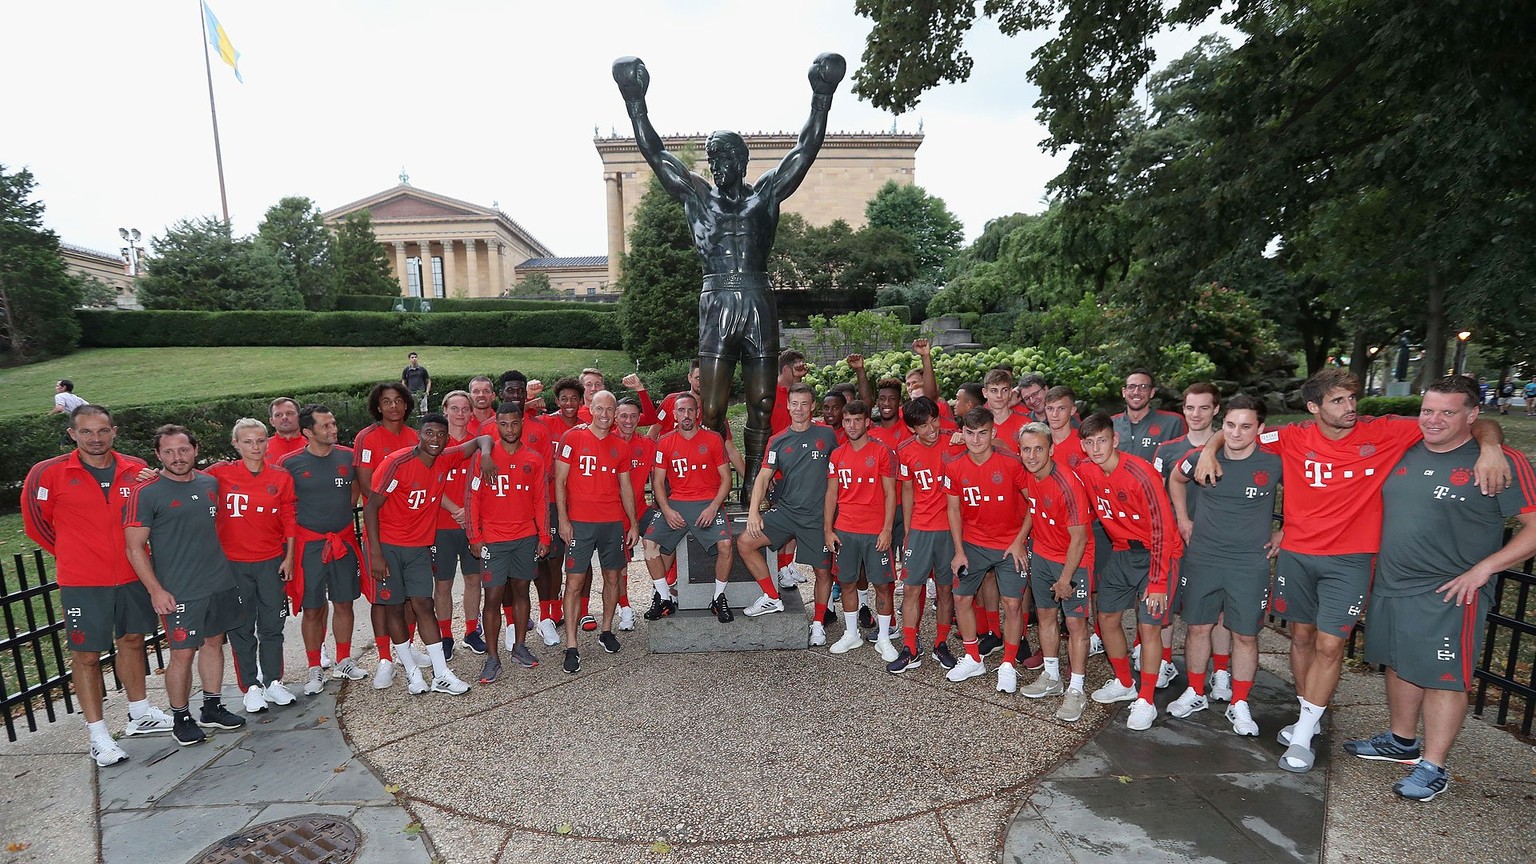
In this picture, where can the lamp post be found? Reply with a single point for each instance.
(132, 250)
(1461, 352)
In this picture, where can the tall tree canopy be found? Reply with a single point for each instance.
(37, 294)
(933, 233)
(198, 264)
(659, 307)
(293, 230)
(361, 265)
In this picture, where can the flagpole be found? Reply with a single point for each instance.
(218, 153)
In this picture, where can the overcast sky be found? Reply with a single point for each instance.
(482, 101)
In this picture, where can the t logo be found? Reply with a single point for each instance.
(1442, 491)
(588, 465)
(971, 494)
(845, 477)
(237, 504)
(1103, 505)
(1147, 442)
(1252, 492)
(416, 498)
(924, 479)
(501, 485)
(1317, 472)
(680, 467)
(341, 482)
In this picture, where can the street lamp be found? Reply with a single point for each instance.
(132, 250)
(1461, 351)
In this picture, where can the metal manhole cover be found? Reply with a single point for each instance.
(316, 839)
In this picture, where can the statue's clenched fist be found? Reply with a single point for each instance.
(826, 71)
(634, 79)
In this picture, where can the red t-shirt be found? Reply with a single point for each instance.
(540, 437)
(1056, 503)
(860, 475)
(1332, 499)
(375, 441)
(68, 513)
(412, 495)
(923, 467)
(256, 511)
(778, 421)
(514, 506)
(991, 497)
(666, 414)
(278, 447)
(1069, 453)
(692, 464)
(838, 433)
(1006, 433)
(1132, 504)
(592, 484)
(458, 478)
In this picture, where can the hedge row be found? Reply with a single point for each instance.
(566, 328)
(1380, 406)
(375, 303)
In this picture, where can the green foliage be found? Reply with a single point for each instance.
(201, 265)
(533, 285)
(37, 293)
(293, 230)
(95, 293)
(913, 295)
(854, 332)
(360, 262)
(366, 302)
(933, 233)
(517, 304)
(1095, 382)
(1381, 406)
(658, 312)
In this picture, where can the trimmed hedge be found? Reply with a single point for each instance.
(564, 328)
(1379, 406)
(375, 303)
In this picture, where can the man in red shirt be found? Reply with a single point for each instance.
(544, 436)
(257, 529)
(594, 502)
(482, 400)
(389, 404)
(451, 554)
(860, 509)
(628, 419)
(792, 371)
(690, 477)
(923, 382)
(666, 416)
(72, 506)
(1142, 569)
(286, 436)
(506, 524)
(928, 548)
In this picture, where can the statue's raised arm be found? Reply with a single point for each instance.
(782, 180)
(633, 80)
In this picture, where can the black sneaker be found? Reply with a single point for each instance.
(186, 732)
(904, 661)
(989, 644)
(828, 617)
(866, 618)
(942, 654)
(658, 607)
(722, 609)
(447, 644)
(216, 716)
(609, 643)
(474, 642)
(572, 661)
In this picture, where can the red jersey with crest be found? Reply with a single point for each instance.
(458, 478)
(891, 436)
(922, 465)
(412, 496)
(692, 465)
(1006, 433)
(256, 511)
(1069, 453)
(1332, 501)
(991, 497)
(860, 475)
(592, 484)
(278, 447)
(1057, 502)
(79, 520)
(513, 507)
(375, 441)
(1132, 505)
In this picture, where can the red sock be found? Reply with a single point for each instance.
(445, 627)
(624, 600)
(410, 633)
(785, 559)
(314, 657)
(909, 638)
(383, 644)
(507, 613)
(1096, 628)
(1167, 653)
(772, 590)
(343, 652)
(471, 626)
(1221, 662)
(973, 651)
(1148, 686)
(820, 609)
(940, 633)
(672, 573)
(586, 603)
(1197, 682)
(1240, 690)
(1122, 667)
(1137, 641)
(1010, 652)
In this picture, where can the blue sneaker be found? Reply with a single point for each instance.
(1384, 748)
(837, 592)
(475, 642)
(447, 643)
(1426, 781)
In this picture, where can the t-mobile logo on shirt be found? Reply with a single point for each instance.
(971, 494)
(502, 482)
(588, 464)
(237, 503)
(844, 477)
(1317, 472)
(924, 478)
(416, 498)
(680, 467)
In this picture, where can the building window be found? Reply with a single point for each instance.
(591, 290)
(413, 276)
(437, 278)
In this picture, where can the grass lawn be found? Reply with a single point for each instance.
(136, 376)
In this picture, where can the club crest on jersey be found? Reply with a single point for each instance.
(341, 470)
(703, 448)
(1461, 477)
(1261, 478)
(304, 474)
(1154, 430)
(271, 488)
(176, 502)
(1367, 450)
(997, 477)
(1047, 504)
(869, 461)
(1121, 496)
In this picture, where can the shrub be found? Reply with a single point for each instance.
(1094, 382)
(515, 304)
(1380, 406)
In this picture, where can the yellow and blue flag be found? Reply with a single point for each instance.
(220, 40)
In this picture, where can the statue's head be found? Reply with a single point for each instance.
(727, 157)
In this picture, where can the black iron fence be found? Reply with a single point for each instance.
(1506, 671)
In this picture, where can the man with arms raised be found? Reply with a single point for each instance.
(690, 477)
(1139, 428)
(860, 505)
(923, 382)
(928, 548)
(72, 506)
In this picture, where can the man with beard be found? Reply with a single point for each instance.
(1139, 428)
(690, 477)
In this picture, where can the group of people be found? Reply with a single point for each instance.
(1001, 506)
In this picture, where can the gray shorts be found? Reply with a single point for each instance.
(1234, 590)
(1428, 642)
(204, 618)
(810, 543)
(1124, 580)
(450, 553)
(1043, 573)
(336, 580)
(97, 616)
(980, 559)
(409, 574)
(856, 552)
(604, 538)
(509, 560)
(1326, 591)
(928, 553)
(659, 532)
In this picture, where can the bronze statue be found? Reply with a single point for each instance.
(733, 226)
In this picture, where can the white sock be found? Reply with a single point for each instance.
(1306, 724)
(865, 599)
(851, 621)
(1077, 682)
(1053, 667)
(138, 709)
(402, 654)
(885, 625)
(99, 731)
(719, 588)
(439, 665)
(662, 588)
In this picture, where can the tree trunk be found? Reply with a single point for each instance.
(1360, 358)
(1433, 366)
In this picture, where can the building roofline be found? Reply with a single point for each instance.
(489, 212)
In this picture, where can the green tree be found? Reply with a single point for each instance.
(534, 285)
(934, 234)
(659, 306)
(200, 265)
(96, 294)
(37, 293)
(294, 231)
(360, 263)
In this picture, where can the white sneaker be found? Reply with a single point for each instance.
(1166, 673)
(1095, 645)
(278, 694)
(422, 659)
(1188, 703)
(325, 659)
(818, 633)
(1072, 705)
(887, 650)
(418, 685)
(1141, 715)
(965, 668)
(314, 684)
(152, 721)
(790, 576)
(851, 640)
(1221, 686)
(448, 683)
(1113, 691)
(1136, 657)
(382, 678)
(255, 702)
(348, 670)
(1241, 720)
(1007, 679)
(1042, 687)
(547, 632)
(106, 752)
(763, 605)
(509, 636)
(626, 618)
